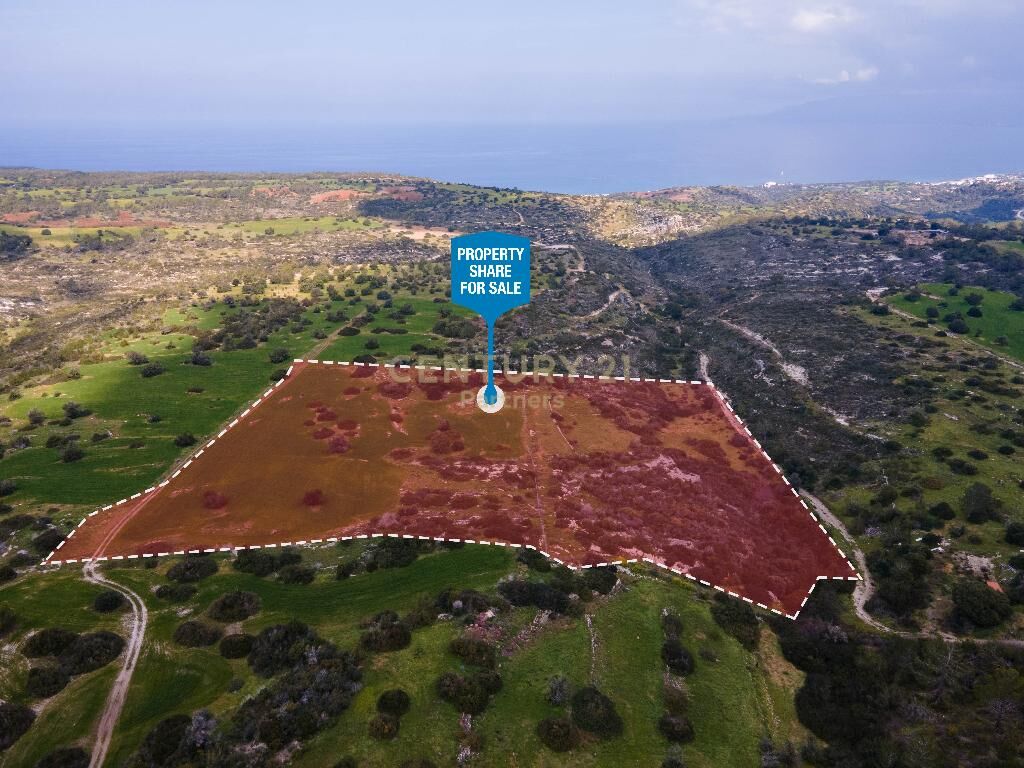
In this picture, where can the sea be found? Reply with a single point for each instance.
(587, 158)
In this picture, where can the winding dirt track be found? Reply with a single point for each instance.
(115, 700)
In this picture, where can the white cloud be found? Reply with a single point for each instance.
(821, 19)
(861, 75)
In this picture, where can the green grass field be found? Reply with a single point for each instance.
(997, 319)
(735, 700)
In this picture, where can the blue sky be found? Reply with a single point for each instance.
(547, 61)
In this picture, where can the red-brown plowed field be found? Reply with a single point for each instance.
(588, 471)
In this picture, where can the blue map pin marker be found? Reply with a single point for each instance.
(490, 275)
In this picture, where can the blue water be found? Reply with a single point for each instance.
(560, 158)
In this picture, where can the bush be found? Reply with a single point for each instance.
(72, 453)
(737, 618)
(521, 592)
(52, 641)
(149, 370)
(558, 690)
(558, 733)
(47, 541)
(594, 712)
(175, 593)
(8, 620)
(676, 657)
(196, 634)
(91, 651)
(236, 646)
(44, 682)
(136, 358)
(185, 439)
(394, 702)
(982, 606)
(255, 561)
(296, 574)
(534, 560)
(1015, 533)
(279, 355)
(676, 728)
(108, 601)
(7, 487)
(601, 579)
(475, 651)
(7, 573)
(65, 757)
(280, 647)
(234, 606)
(467, 694)
(167, 743)
(383, 727)
(386, 632)
(15, 720)
(192, 568)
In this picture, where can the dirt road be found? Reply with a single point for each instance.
(115, 700)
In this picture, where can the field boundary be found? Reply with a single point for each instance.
(722, 399)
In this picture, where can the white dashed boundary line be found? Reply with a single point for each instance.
(48, 560)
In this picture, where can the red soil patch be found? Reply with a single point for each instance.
(22, 217)
(587, 471)
(336, 196)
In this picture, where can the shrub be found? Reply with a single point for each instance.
(73, 410)
(594, 712)
(676, 728)
(982, 606)
(65, 757)
(737, 618)
(44, 682)
(296, 574)
(7, 487)
(534, 560)
(676, 657)
(175, 593)
(601, 579)
(279, 355)
(52, 641)
(475, 651)
(8, 620)
(558, 733)
(7, 573)
(397, 553)
(255, 561)
(136, 358)
(467, 694)
(200, 358)
(192, 568)
(108, 601)
(1015, 533)
(236, 646)
(385, 633)
(521, 592)
(72, 453)
(15, 719)
(394, 702)
(280, 647)
(196, 634)
(185, 439)
(91, 651)
(234, 606)
(383, 727)
(558, 690)
(149, 370)
(979, 503)
(166, 744)
(677, 697)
